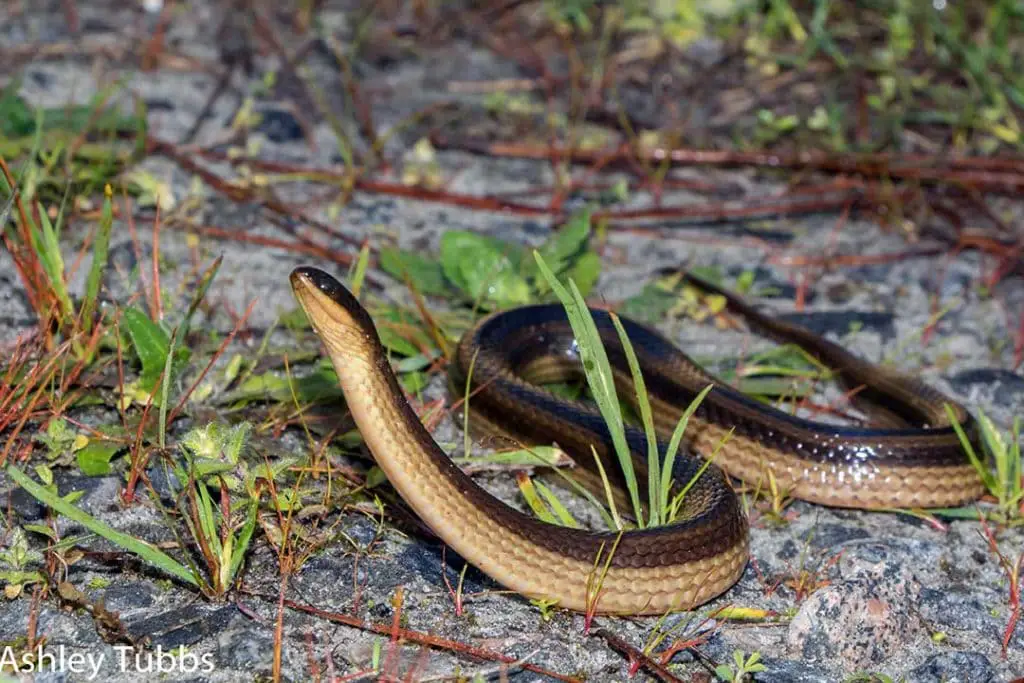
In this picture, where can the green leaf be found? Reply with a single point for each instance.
(402, 332)
(151, 344)
(320, 385)
(414, 382)
(16, 118)
(561, 248)
(47, 246)
(724, 672)
(486, 269)
(564, 517)
(650, 305)
(42, 530)
(530, 495)
(94, 459)
(535, 456)
(375, 477)
(585, 271)
(425, 274)
(58, 438)
(217, 441)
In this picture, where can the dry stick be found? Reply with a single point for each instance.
(428, 640)
(995, 175)
(875, 163)
(34, 279)
(710, 211)
(637, 656)
(367, 185)
(340, 258)
(239, 193)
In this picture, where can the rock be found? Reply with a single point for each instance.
(953, 667)
(129, 595)
(863, 617)
(249, 647)
(789, 671)
(1008, 386)
(185, 626)
(279, 126)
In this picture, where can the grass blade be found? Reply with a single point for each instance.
(539, 507)
(358, 275)
(980, 465)
(655, 508)
(599, 376)
(144, 550)
(48, 250)
(565, 517)
(244, 536)
(673, 446)
(678, 500)
(99, 261)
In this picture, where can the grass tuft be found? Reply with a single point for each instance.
(662, 508)
(1001, 451)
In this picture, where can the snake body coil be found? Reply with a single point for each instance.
(915, 462)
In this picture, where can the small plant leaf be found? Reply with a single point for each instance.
(585, 272)
(425, 274)
(562, 247)
(94, 459)
(151, 344)
(487, 270)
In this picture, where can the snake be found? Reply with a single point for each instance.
(910, 456)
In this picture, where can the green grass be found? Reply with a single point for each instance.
(600, 380)
(145, 551)
(886, 73)
(219, 533)
(998, 465)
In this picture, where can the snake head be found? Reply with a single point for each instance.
(338, 318)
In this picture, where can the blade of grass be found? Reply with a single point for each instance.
(465, 405)
(565, 517)
(244, 536)
(609, 496)
(529, 491)
(144, 550)
(165, 386)
(358, 274)
(655, 508)
(99, 261)
(673, 447)
(673, 509)
(48, 249)
(986, 475)
(599, 376)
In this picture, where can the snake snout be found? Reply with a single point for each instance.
(336, 315)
